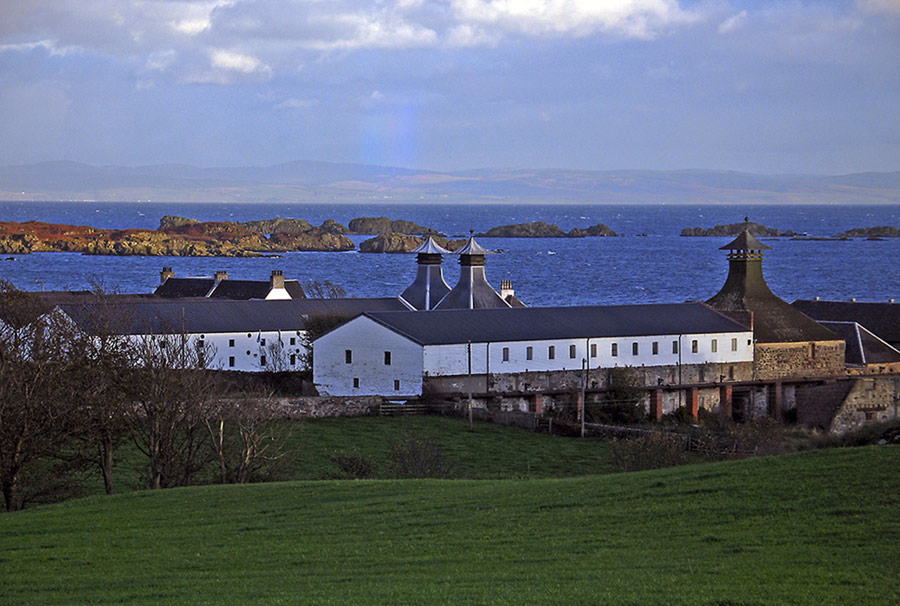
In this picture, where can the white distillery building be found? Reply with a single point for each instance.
(249, 336)
(397, 353)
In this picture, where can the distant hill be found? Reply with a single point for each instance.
(306, 181)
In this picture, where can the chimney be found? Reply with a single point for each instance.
(853, 299)
(277, 280)
(506, 289)
(221, 275)
(165, 274)
(817, 298)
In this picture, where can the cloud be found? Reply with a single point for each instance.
(732, 23)
(294, 103)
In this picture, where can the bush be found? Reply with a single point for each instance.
(652, 450)
(352, 465)
(416, 457)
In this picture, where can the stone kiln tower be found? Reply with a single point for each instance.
(429, 287)
(472, 291)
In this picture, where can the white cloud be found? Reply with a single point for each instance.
(222, 59)
(294, 103)
(732, 23)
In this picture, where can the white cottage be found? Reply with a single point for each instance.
(396, 353)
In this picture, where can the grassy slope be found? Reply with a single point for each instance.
(811, 528)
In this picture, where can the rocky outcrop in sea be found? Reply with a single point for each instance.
(541, 229)
(734, 229)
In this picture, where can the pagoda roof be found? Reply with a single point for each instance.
(745, 241)
(474, 248)
(431, 247)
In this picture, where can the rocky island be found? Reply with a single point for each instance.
(734, 229)
(404, 243)
(881, 231)
(541, 229)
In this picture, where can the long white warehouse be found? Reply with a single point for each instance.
(395, 353)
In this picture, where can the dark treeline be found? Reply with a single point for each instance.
(70, 398)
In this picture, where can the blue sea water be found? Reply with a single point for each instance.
(650, 263)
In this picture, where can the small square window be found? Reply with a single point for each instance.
(396, 384)
(715, 345)
(634, 349)
(694, 346)
(593, 350)
(674, 347)
(293, 359)
(506, 354)
(230, 342)
(201, 344)
(551, 352)
(230, 361)
(614, 350)
(571, 351)
(262, 360)
(656, 348)
(529, 352)
(356, 382)
(293, 340)
(734, 345)
(348, 356)
(387, 358)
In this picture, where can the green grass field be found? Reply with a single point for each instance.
(817, 527)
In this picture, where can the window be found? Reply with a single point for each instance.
(529, 353)
(293, 359)
(396, 384)
(262, 342)
(506, 354)
(571, 351)
(262, 360)
(634, 348)
(348, 356)
(230, 342)
(230, 361)
(593, 350)
(356, 382)
(249, 336)
(201, 344)
(248, 352)
(615, 349)
(674, 347)
(387, 358)
(293, 340)
(694, 346)
(734, 345)
(551, 352)
(655, 348)
(715, 345)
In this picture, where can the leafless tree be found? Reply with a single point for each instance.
(323, 289)
(245, 438)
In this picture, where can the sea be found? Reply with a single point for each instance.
(650, 262)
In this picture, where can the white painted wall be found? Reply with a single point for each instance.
(448, 360)
(367, 341)
(277, 294)
(261, 351)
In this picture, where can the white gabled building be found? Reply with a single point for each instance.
(249, 336)
(397, 353)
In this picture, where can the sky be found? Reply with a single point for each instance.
(761, 86)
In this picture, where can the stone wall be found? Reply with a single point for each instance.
(807, 359)
(308, 407)
(870, 400)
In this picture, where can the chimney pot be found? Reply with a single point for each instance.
(165, 274)
(277, 279)
(221, 275)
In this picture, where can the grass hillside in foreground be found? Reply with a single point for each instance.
(810, 528)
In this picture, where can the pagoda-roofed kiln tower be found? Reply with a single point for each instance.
(429, 287)
(472, 291)
(787, 341)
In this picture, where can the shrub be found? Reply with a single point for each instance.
(649, 451)
(352, 465)
(416, 457)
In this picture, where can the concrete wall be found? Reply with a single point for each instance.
(806, 359)
(366, 373)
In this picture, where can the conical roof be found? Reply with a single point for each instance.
(430, 247)
(474, 248)
(745, 241)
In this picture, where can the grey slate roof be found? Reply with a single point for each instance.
(198, 316)
(746, 242)
(427, 289)
(881, 318)
(185, 287)
(543, 323)
(178, 288)
(430, 247)
(472, 291)
(863, 347)
(474, 248)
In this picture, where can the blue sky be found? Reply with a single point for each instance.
(771, 87)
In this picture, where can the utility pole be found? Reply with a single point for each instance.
(469, 383)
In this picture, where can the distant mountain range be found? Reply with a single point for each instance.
(319, 182)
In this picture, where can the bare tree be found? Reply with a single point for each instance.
(35, 410)
(323, 289)
(245, 438)
(170, 394)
